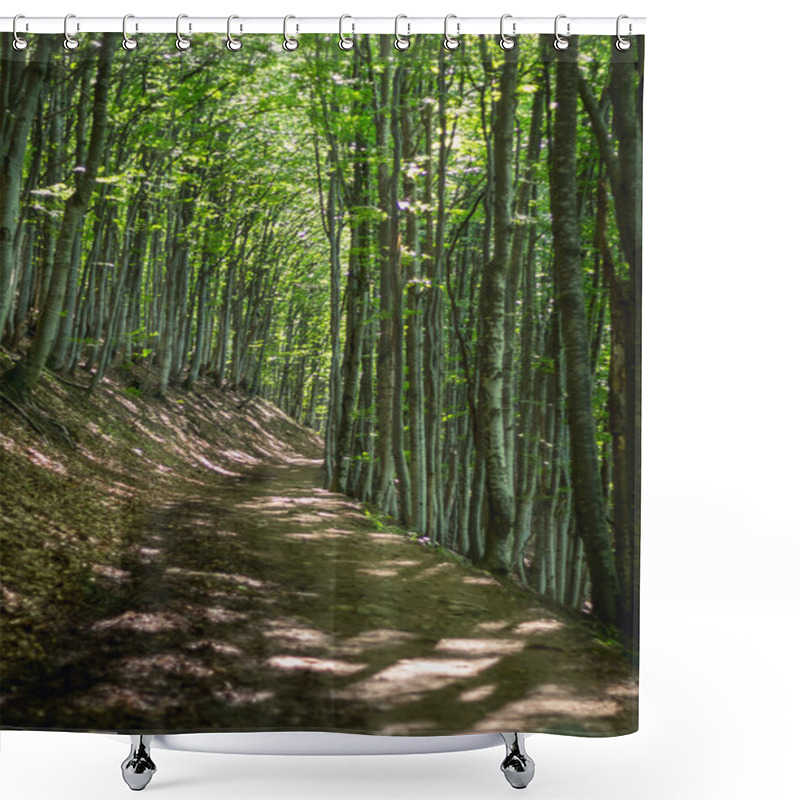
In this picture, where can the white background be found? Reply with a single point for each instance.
(720, 551)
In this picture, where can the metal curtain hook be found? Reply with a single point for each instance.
(507, 42)
(19, 42)
(289, 44)
(70, 42)
(346, 42)
(128, 43)
(561, 42)
(450, 42)
(233, 44)
(401, 42)
(181, 42)
(622, 43)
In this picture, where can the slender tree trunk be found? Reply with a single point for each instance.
(588, 496)
(491, 344)
(386, 344)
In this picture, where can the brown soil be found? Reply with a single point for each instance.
(231, 592)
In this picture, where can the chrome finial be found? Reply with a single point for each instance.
(517, 766)
(138, 768)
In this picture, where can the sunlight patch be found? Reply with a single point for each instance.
(410, 679)
(112, 573)
(539, 626)
(549, 700)
(468, 647)
(300, 637)
(309, 664)
(218, 614)
(378, 573)
(479, 580)
(475, 695)
(492, 625)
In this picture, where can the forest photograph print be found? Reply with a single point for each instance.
(320, 385)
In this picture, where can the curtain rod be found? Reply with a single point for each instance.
(351, 24)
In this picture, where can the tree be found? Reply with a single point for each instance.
(587, 491)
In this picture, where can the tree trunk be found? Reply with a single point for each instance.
(491, 344)
(587, 491)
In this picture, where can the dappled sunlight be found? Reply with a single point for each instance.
(480, 647)
(243, 580)
(242, 697)
(41, 460)
(538, 626)
(309, 664)
(378, 573)
(492, 625)
(260, 596)
(148, 554)
(219, 647)
(378, 639)
(478, 694)
(323, 535)
(412, 678)
(143, 622)
(480, 580)
(288, 633)
(546, 702)
(434, 570)
(218, 614)
(623, 690)
(110, 573)
(387, 538)
(239, 457)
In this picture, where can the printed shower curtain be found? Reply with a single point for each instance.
(320, 385)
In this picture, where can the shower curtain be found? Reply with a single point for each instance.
(320, 384)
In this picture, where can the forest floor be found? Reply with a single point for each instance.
(179, 567)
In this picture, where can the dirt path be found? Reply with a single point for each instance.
(276, 604)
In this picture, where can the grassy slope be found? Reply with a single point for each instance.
(67, 512)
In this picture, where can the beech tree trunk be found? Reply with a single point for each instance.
(492, 341)
(587, 489)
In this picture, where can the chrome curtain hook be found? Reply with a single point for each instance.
(19, 42)
(561, 42)
(346, 42)
(401, 42)
(450, 42)
(128, 42)
(289, 44)
(622, 43)
(181, 42)
(70, 42)
(233, 44)
(507, 42)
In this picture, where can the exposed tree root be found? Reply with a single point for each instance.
(43, 424)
